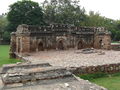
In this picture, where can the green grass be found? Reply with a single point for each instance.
(109, 81)
(4, 55)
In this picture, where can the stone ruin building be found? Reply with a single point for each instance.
(30, 38)
(39, 76)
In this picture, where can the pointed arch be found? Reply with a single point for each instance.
(61, 44)
(100, 44)
(80, 44)
(40, 46)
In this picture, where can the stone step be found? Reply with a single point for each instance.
(12, 67)
(34, 74)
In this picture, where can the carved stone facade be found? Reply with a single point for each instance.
(29, 38)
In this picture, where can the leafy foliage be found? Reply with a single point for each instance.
(3, 22)
(63, 11)
(24, 12)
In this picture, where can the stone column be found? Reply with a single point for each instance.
(96, 41)
(13, 45)
(25, 44)
(107, 42)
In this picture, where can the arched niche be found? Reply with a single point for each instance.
(40, 46)
(80, 45)
(61, 44)
(100, 43)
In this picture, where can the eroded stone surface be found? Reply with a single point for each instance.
(58, 84)
(24, 75)
(29, 38)
(21, 66)
(42, 78)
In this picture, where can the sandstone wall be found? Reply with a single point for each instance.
(107, 42)
(32, 39)
(108, 68)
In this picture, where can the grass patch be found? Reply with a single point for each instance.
(109, 81)
(92, 76)
(4, 55)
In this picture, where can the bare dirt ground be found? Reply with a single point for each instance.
(73, 58)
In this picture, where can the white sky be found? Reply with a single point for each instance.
(107, 8)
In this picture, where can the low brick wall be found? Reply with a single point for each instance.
(108, 68)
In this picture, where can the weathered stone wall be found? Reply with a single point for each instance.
(60, 37)
(108, 68)
(107, 42)
(22, 44)
(102, 42)
(25, 44)
(13, 46)
(97, 40)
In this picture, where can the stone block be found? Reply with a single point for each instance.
(11, 67)
(34, 74)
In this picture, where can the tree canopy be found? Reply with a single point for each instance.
(63, 11)
(24, 12)
(3, 22)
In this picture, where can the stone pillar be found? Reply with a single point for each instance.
(13, 45)
(96, 42)
(107, 42)
(25, 44)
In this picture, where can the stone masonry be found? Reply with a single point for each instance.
(29, 38)
(41, 77)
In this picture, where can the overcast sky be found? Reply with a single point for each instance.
(107, 8)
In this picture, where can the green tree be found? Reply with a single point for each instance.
(63, 11)
(3, 24)
(24, 12)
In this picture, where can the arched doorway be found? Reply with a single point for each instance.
(61, 45)
(40, 46)
(100, 44)
(80, 45)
